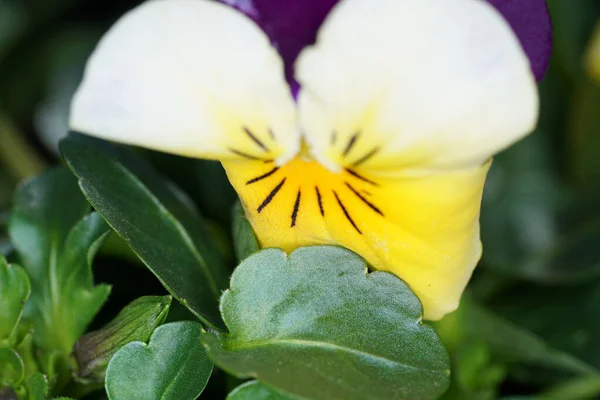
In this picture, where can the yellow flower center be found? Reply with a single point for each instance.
(297, 197)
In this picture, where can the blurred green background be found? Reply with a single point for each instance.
(541, 209)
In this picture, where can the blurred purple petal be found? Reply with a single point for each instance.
(530, 19)
(291, 25)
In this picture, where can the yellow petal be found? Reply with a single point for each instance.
(425, 84)
(190, 77)
(423, 228)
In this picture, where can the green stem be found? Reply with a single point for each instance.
(19, 158)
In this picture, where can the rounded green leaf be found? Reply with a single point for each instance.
(14, 291)
(173, 366)
(255, 390)
(317, 325)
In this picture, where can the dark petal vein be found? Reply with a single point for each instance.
(346, 212)
(366, 157)
(245, 155)
(271, 195)
(351, 144)
(255, 139)
(296, 208)
(362, 178)
(261, 177)
(320, 200)
(367, 202)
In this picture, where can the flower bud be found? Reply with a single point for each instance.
(135, 322)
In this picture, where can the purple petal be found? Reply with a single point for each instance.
(530, 19)
(293, 25)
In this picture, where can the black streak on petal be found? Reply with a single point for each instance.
(362, 178)
(271, 195)
(351, 144)
(255, 139)
(366, 157)
(245, 155)
(296, 208)
(260, 178)
(346, 212)
(367, 202)
(320, 200)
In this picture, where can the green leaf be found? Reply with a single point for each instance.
(205, 181)
(46, 208)
(566, 317)
(14, 291)
(12, 370)
(475, 376)
(318, 326)
(26, 352)
(586, 388)
(37, 387)
(255, 390)
(135, 322)
(154, 218)
(56, 241)
(173, 366)
(507, 341)
(244, 239)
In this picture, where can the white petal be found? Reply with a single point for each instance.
(421, 84)
(191, 77)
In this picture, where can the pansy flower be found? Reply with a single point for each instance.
(368, 124)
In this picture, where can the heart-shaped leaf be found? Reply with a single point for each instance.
(318, 326)
(154, 218)
(14, 291)
(173, 366)
(255, 390)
